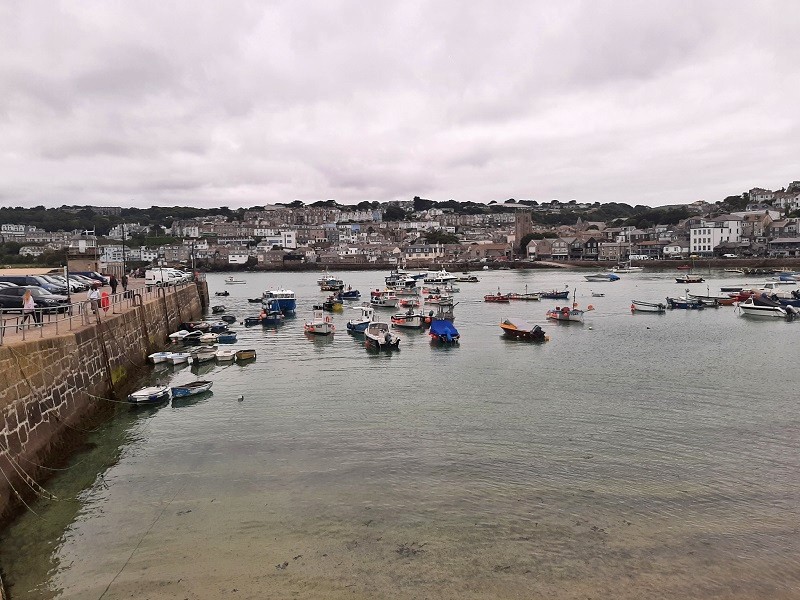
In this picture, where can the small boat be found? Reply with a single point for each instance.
(565, 314)
(202, 355)
(465, 278)
(523, 331)
(254, 300)
(442, 276)
(319, 324)
(350, 294)
(684, 268)
(176, 358)
(754, 309)
(232, 280)
(626, 268)
(331, 284)
(598, 295)
(685, 303)
(248, 354)
(652, 307)
(179, 335)
(229, 319)
(229, 337)
(360, 324)
(209, 338)
(377, 335)
(193, 337)
(602, 277)
(408, 302)
(438, 299)
(272, 317)
(689, 279)
(222, 293)
(200, 326)
(286, 299)
(526, 296)
(555, 295)
(708, 299)
(383, 299)
(333, 304)
(498, 297)
(225, 354)
(444, 332)
(251, 321)
(191, 389)
(218, 327)
(159, 357)
(217, 309)
(408, 320)
(150, 395)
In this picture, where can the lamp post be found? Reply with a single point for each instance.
(124, 268)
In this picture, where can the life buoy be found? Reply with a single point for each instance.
(105, 302)
(633, 308)
(327, 319)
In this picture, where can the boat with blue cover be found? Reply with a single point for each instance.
(360, 324)
(602, 277)
(229, 337)
(444, 332)
(191, 389)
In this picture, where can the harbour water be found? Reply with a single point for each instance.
(634, 456)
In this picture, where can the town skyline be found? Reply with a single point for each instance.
(245, 104)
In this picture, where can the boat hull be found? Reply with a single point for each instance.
(191, 389)
(149, 395)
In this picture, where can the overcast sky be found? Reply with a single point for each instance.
(244, 103)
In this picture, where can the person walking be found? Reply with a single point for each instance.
(113, 283)
(94, 296)
(124, 282)
(29, 308)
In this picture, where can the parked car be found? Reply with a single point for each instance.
(93, 275)
(11, 299)
(35, 280)
(6, 284)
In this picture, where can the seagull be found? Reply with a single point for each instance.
(240, 398)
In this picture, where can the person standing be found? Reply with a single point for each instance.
(113, 283)
(29, 308)
(94, 296)
(124, 282)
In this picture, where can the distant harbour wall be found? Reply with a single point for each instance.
(51, 387)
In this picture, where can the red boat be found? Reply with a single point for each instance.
(684, 268)
(497, 298)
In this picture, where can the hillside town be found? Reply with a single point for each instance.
(759, 223)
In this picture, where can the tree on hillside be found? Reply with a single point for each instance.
(393, 213)
(422, 203)
(439, 236)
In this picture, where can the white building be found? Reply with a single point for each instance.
(712, 232)
(276, 237)
(12, 230)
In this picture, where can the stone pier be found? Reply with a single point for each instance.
(50, 386)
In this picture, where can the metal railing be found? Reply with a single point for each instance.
(45, 322)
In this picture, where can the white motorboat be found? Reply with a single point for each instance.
(360, 324)
(652, 307)
(749, 307)
(440, 277)
(205, 354)
(150, 395)
(383, 299)
(379, 336)
(209, 338)
(232, 280)
(320, 324)
(601, 277)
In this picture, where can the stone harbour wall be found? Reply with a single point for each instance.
(50, 387)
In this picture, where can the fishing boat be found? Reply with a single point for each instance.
(254, 300)
(271, 314)
(176, 358)
(251, 321)
(555, 295)
(287, 302)
(688, 278)
(246, 354)
(332, 284)
(565, 314)
(467, 278)
(383, 299)
(400, 279)
(602, 277)
(754, 309)
(408, 302)
(710, 299)
(229, 319)
(158, 357)
(626, 267)
(229, 337)
(225, 354)
(350, 294)
(523, 331)
(191, 389)
(526, 296)
(217, 309)
(333, 304)
(444, 312)
(359, 325)
(408, 320)
(222, 293)
(232, 280)
(685, 303)
(377, 335)
(444, 332)
(319, 324)
(498, 297)
(651, 307)
(438, 299)
(150, 395)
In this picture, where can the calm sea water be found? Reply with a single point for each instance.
(633, 456)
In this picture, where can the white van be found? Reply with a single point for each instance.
(161, 276)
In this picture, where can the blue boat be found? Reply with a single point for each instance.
(350, 295)
(360, 324)
(287, 302)
(271, 314)
(686, 304)
(228, 337)
(444, 332)
(219, 327)
(191, 389)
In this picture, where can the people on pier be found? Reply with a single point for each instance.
(29, 308)
(94, 296)
(124, 282)
(112, 281)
